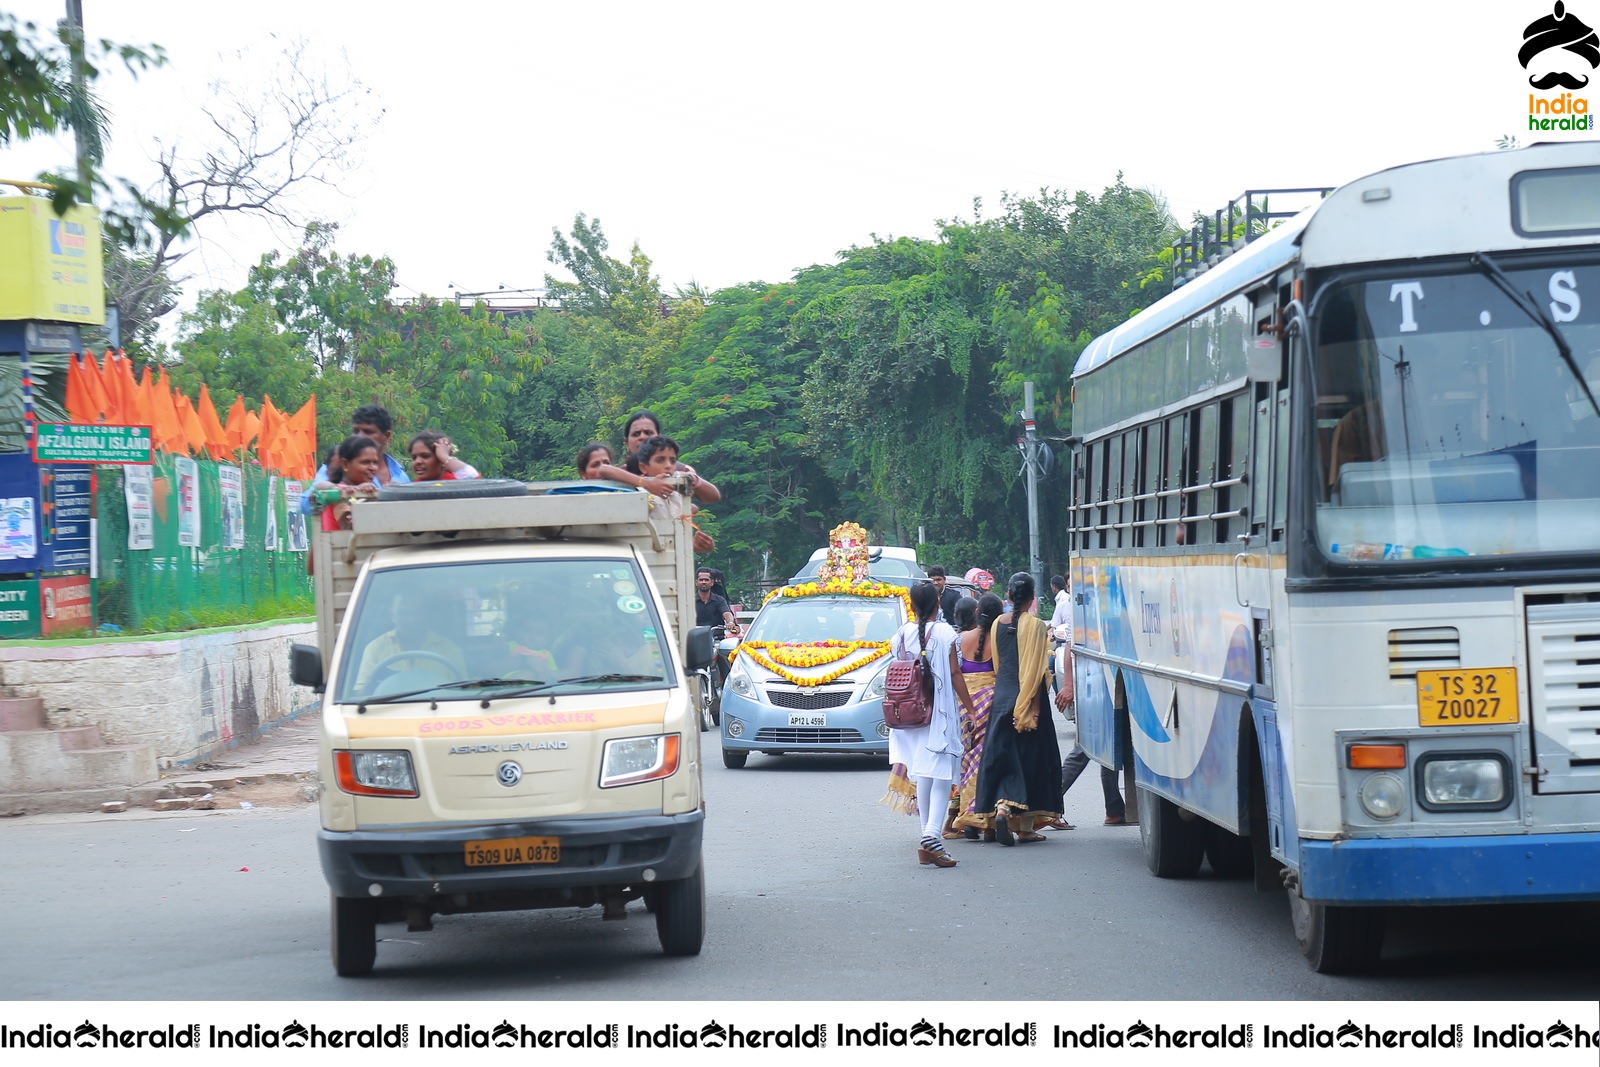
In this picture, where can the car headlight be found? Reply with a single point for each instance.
(739, 680)
(375, 772)
(631, 760)
(1464, 781)
(874, 689)
(1383, 796)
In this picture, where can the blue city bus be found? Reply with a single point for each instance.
(1336, 548)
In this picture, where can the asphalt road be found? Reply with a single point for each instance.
(814, 894)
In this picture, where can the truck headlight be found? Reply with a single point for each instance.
(375, 772)
(1476, 780)
(631, 760)
(1383, 796)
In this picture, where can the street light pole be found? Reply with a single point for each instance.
(1030, 464)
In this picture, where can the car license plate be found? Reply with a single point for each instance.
(802, 718)
(508, 851)
(1478, 697)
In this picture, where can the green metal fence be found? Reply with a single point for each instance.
(249, 562)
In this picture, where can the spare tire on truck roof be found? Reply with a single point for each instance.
(465, 489)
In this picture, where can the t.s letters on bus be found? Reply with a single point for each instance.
(1565, 303)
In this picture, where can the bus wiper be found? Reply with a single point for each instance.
(1532, 308)
(465, 683)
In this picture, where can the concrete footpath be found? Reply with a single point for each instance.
(277, 769)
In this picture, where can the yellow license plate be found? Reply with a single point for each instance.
(1487, 695)
(507, 851)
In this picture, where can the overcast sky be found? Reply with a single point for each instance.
(737, 142)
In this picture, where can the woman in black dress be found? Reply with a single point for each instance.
(1020, 776)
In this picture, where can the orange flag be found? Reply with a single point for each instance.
(193, 429)
(252, 427)
(99, 402)
(78, 401)
(216, 437)
(267, 437)
(120, 385)
(235, 425)
(113, 388)
(304, 422)
(168, 427)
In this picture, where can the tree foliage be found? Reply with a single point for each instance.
(880, 388)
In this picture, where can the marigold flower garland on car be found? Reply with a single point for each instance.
(780, 656)
(758, 651)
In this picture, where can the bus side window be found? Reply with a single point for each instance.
(1205, 472)
(1172, 482)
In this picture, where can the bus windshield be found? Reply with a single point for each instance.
(1448, 424)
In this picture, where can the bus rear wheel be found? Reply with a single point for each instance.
(1336, 939)
(1173, 846)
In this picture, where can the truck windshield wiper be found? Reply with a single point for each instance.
(1532, 308)
(581, 679)
(465, 683)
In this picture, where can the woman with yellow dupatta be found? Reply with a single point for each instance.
(977, 664)
(1019, 777)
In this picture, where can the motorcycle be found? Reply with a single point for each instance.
(708, 680)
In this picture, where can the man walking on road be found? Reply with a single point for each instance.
(1076, 760)
(947, 596)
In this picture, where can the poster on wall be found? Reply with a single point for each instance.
(138, 489)
(231, 480)
(19, 534)
(297, 521)
(188, 502)
(271, 540)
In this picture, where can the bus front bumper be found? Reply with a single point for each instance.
(1526, 868)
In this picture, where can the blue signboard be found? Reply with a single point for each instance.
(57, 501)
(67, 498)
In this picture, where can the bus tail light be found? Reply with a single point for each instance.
(1376, 757)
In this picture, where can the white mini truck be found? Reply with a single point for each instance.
(506, 722)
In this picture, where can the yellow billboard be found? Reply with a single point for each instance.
(50, 266)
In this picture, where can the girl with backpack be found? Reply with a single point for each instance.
(927, 758)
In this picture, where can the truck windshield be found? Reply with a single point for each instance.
(465, 631)
(1448, 422)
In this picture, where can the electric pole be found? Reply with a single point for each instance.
(1030, 467)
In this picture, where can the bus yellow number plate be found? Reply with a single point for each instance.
(509, 851)
(1484, 696)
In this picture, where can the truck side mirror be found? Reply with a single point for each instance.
(699, 650)
(305, 666)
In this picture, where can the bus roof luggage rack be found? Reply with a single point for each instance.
(1247, 216)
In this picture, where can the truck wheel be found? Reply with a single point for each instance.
(355, 936)
(734, 760)
(681, 914)
(1336, 939)
(1173, 846)
(1229, 854)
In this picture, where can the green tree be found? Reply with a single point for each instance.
(236, 346)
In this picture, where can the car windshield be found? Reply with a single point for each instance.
(1448, 423)
(478, 630)
(799, 620)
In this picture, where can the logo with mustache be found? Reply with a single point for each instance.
(1559, 30)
